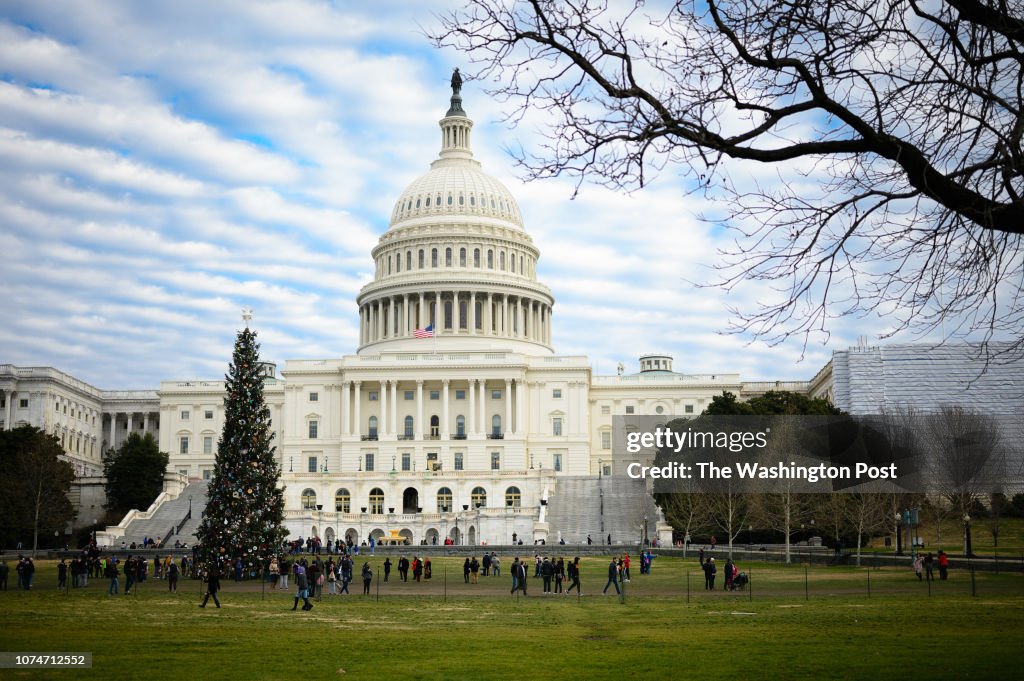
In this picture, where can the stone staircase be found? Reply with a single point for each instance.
(581, 506)
(163, 517)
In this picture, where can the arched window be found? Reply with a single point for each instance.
(408, 426)
(449, 199)
(447, 314)
(462, 200)
(417, 203)
(501, 260)
(462, 257)
(376, 500)
(408, 260)
(521, 265)
(435, 427)
(428, 202)
(513, 497)
(308, 499)
(472, 200)
(478, 499)
(389, 264)
(433, 257)
(463, 314)
(448, 257)
(398, 262)
(496, 426)
(490, 259)
(460, 425)
(476, 257)
(512, 262)
(421, 258)
(342, 501)
(444, 500)
(373, 428)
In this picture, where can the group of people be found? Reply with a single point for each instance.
(734, 579)
(927, 564)
(25, 570)
(490, 564)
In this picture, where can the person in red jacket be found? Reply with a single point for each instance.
(943, 565)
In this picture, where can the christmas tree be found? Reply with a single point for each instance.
(245, 507)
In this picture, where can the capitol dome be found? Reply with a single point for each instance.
(455, 261)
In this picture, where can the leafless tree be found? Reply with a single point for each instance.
(895, 127)
(965, 455)
(865, 513)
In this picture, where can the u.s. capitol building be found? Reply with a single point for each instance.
(455, 418)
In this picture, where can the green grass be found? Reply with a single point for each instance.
(833, 630)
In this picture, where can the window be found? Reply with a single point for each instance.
(495, 461)
(376, 500)
(513, 497)
(501, 260)
(447, 257)
(408, 257)
(309, 499)
(659, 409)
(208, 444)
(207, 474)
(421, 258)
(556, 426)
(183, 445)
(556, 460)
(23, 404)
(409, 396)
(372, 428)
(460, 426)
(408, 427)
(369, 461)
(556, 393)
(373, 396)
(311, 465)
(458, 461)
(630, 409)
(406, 461)
(435, 395)
(433, 257)
(606, 410)
(56, 406)
(490, 259)
(495, 394)
(184, 414)
(478, 499)
(606, 440)
(435, 427)
(688, 409)
(476, 257)
(342, 501)
(607, 470)
(462, 257)
(314, 397)
(208, 415)
(444, 500)
(314, 427)
(460, 394)
(496, 426)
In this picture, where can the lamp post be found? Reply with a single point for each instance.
(899, 534)
(967, 536)
(189, 505)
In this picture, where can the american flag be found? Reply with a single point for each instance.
(424, 333)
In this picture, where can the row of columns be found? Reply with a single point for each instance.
(9, 397)
(129, 416)
(502, 315)
(387, 413)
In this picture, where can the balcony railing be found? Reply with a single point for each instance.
(406, 437)
(495, 436)
(459, 436)
(368, 438)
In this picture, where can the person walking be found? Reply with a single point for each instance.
(728, 575)
(943, 565)
(518, 576)
(929, 566)
(275, 572)
(574, 577)
(301, 587)
(918, 566)
(547, 572)
(465, 571)
(112, 573)
(387, 569)
(613, 577)
(172, 577)
(212, 586)
(367, 578)
(474, 570)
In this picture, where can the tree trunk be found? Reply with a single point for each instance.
(35, 519)
(858, 545)
(787, 528)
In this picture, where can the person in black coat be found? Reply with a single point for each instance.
(212, 587)
(613, 577)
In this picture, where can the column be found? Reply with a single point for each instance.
(520, 409)
(145, 420)
(382, 399)
(9, 411)
(406, 318)
(508, 406)
(379, 331)
(456, 313)
(358, 397)
(419, 399)
(472, 312)
(488, 316)
(394, 406)
(113, 425)
(482, 422)
(438, 313)
(346, 421)
(444, 409)
(471, 427)
(420, 324)
(131, 422)
(519, 326)
(504, 316)
(362, 326)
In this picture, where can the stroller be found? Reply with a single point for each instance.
(739, 582)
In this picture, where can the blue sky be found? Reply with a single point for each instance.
(164, 164)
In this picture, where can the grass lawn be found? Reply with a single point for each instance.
(818, 624)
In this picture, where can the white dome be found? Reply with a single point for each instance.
(456, 187)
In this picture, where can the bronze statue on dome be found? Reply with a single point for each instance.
(456, 81)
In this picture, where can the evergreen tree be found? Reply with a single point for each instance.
(245, 507)
(135, 473)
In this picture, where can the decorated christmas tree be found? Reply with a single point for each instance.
(245, 507)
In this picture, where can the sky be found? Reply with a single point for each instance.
(165, 164)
